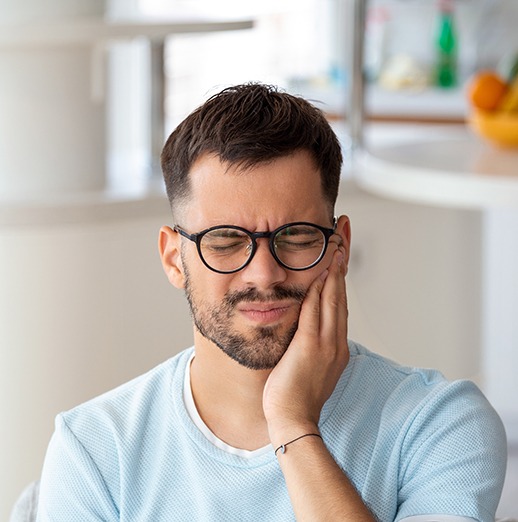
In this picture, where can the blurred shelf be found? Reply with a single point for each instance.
(431, 105)
(84, 207)
(89, 31)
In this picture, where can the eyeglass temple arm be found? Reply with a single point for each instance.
(182, 232)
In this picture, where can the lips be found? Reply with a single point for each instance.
(264, 312)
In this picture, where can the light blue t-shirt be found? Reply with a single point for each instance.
(411, 442)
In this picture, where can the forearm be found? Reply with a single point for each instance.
(295, 393)
(318, 488)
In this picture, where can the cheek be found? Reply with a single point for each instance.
(304, 279)
(206, 287)
(215, 292)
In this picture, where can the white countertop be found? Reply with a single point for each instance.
(445, 165)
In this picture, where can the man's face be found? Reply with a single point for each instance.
(252, 314)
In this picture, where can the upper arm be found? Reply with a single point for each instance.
(454, 457)
(72, 486)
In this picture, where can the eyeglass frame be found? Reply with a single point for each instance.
(254, 236)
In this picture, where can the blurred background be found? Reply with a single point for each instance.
(89, 90)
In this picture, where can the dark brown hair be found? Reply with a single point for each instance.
(247, 125)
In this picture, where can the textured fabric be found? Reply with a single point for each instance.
(437, 518)
(410, 442)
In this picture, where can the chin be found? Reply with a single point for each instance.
(261, 350)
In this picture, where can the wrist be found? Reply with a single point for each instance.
(282, 447)
(282, 432)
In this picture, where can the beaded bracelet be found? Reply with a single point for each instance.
(282, 447)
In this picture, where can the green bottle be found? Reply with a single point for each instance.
(446, 57)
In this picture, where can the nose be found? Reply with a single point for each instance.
(263, 271)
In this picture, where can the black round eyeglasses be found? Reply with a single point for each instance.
(227, 248)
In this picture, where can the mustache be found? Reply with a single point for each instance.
(252, 295)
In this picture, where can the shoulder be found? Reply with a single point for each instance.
(96, 441)
(445, 442)
(419, 388)
(123, 409)
(413, 403)
(389, 372)
(373, 383)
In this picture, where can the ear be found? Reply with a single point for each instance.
(343, 229)
(169, 247)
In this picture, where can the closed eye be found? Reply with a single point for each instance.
(298, 245)
(225, 247)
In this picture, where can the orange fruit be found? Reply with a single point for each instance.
(486, 90)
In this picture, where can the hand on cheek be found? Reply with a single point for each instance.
(308, 372)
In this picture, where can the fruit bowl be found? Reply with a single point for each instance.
(500, 128)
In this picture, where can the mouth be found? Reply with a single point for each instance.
(264, 313)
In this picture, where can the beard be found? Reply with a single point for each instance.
(263, 348)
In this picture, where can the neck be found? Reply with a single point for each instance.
(228, 396)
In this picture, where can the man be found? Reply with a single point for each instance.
(273, 415)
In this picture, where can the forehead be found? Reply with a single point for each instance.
(274, 192)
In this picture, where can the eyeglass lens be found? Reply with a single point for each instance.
(228, 249)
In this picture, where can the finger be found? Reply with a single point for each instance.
(309, 318)
(343, 311)
(343, 315)
(333, 304)
(336, 239)
(329, 302)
